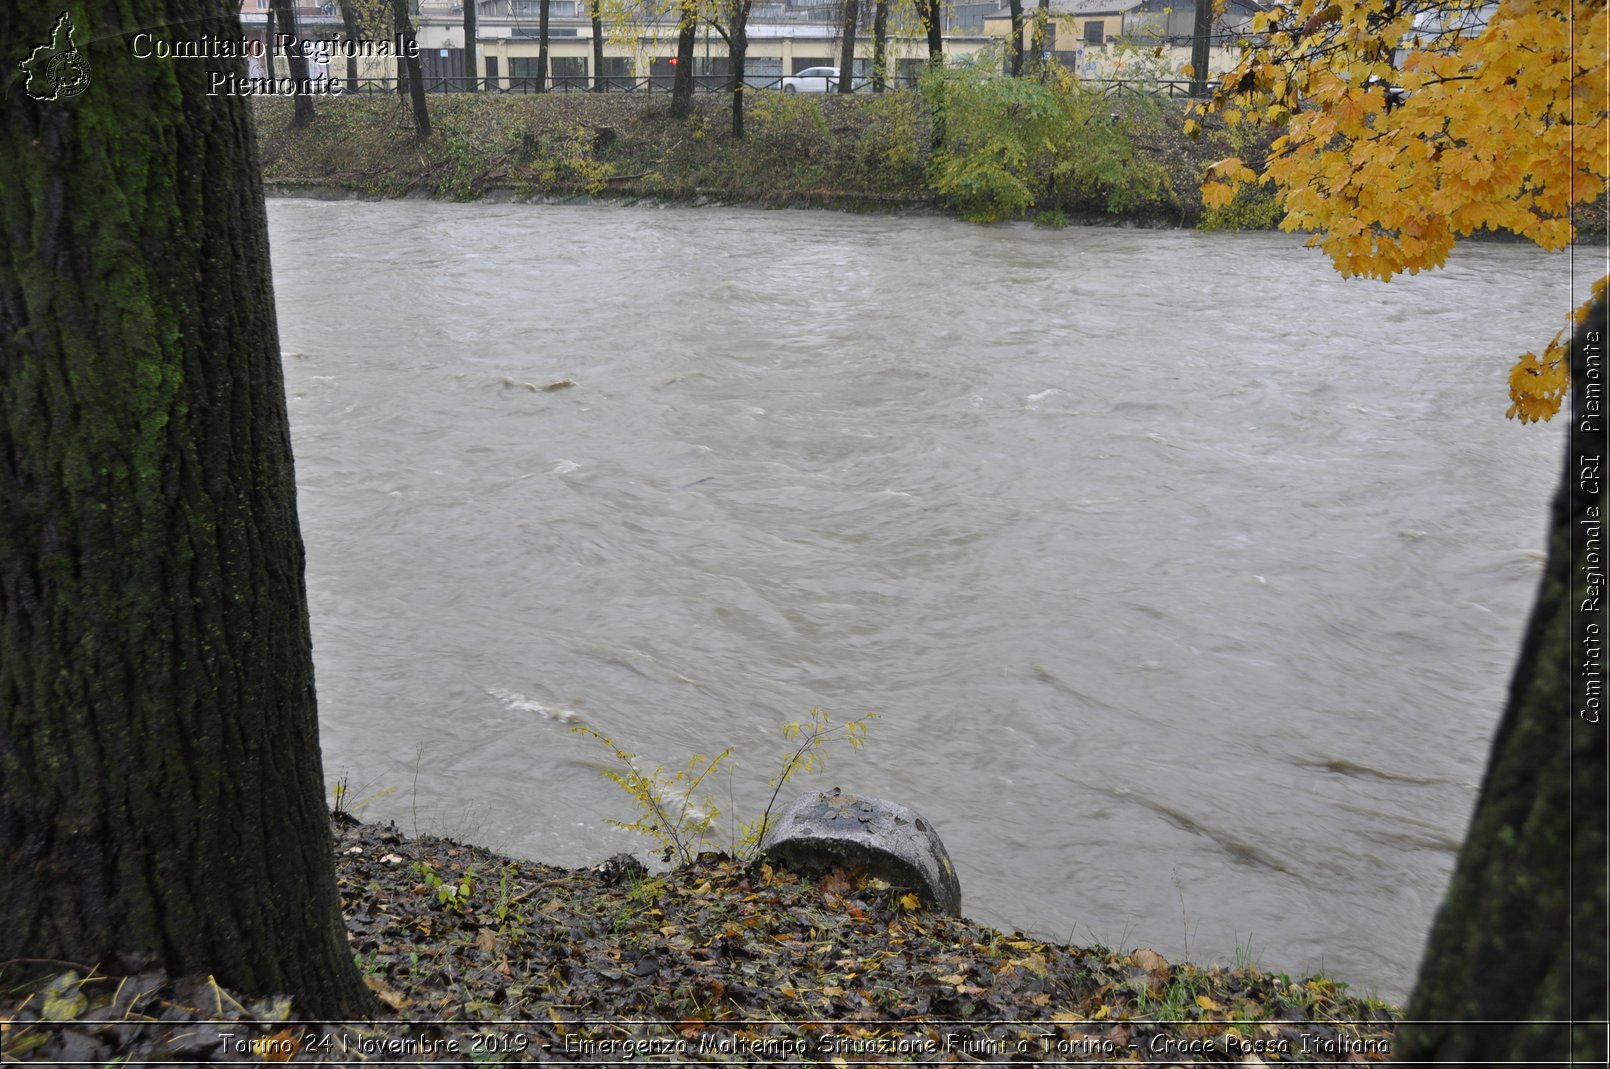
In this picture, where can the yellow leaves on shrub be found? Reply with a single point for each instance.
(1499, 121)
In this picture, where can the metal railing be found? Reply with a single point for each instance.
(1178, 89)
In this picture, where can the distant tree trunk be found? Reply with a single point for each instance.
(847, 49)
(542, 46)
(349, 23)
(161, 790)
(1201, 34)
(1039, 35)
(1521, 935)
(880, 46)
(270, 28)
(597, 15)
(1014, 50)
(408, 69)
(302, 103)
(932, 14)
(738, 47)
(471, 60)
(682, 78)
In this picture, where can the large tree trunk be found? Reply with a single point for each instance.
(682, 78)
(542, 46)
(302, 106)
(1521, 935)
(880, 46)
(1014, 47)
(161, 795)
(847, 48)
(408, 69)
(471, 60)
(594, 10)
(1201, 37)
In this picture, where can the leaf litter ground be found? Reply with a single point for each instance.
(714, 962)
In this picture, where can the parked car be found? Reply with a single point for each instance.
(817, 80)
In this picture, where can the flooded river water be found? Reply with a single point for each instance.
(1185, 577)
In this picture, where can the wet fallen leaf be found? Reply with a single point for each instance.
(910, 902)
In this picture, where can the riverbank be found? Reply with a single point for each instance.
(864, 153)
(716, 962)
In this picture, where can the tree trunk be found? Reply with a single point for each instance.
(1521, 935)
(1042, 22)
(847, 49)
(542, 46)
(880, 46)
(1014, 48)
(471, 60)
(408, 69)
(738, 47)
(269, 30)
(682, 78)
(302, 103)
(597, 15)
(161, 794)
(349, 23)
(1201, 34)
(933, 19)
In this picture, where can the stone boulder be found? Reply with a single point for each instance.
(820, 829)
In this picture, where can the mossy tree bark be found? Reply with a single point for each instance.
(161, 795)
(472, 62)
(1521, 935)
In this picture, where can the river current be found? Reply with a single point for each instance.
(1185, 577)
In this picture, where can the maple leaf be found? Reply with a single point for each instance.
(1499, 122)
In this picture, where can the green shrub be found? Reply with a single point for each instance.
(1006, 145)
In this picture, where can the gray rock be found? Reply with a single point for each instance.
(821, 829)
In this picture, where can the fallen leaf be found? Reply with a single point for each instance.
(910, 901)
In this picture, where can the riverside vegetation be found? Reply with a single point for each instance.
(969, 142)
(480, 958)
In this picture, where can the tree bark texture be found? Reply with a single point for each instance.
(847, 47)
(302, 106)
(161, 794)
(1521, 934)
(682, 79)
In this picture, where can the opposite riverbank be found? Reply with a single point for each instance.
(480, 958)
(863, 153)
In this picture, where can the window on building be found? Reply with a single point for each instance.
(617, 72)
(1093, 32)
(522, 72)
(569, 72)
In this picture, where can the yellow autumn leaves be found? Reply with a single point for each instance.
(1409, 125)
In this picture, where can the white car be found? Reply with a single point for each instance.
(813, 80)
